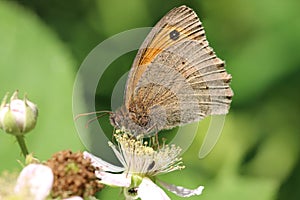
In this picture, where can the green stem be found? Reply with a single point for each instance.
(21, 141)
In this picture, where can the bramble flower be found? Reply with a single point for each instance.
(141, 164)
(19, 116)
(65, 175)
(34, 182)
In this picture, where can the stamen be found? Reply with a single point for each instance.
(141, 159)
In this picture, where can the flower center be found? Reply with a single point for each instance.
(141, 159)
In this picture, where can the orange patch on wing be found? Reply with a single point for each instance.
(160, 42)
(149, 55)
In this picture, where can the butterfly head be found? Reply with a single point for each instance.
(115, 120)
(129, 122)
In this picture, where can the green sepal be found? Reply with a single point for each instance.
(30, 118)
(10, 125)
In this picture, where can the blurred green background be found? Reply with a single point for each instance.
(42, 44)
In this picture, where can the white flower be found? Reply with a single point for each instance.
(35, 181)
(140, 164)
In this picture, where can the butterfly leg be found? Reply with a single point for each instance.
(113, 133)
(157, 140)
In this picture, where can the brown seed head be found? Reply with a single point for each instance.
(73, 175)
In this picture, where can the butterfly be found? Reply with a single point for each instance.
(175, 79)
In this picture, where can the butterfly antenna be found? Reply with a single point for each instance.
(95, 118)
(90, 113)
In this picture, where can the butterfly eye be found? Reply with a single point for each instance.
(174, 35)
(113, 120)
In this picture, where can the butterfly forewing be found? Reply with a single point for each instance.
(183, 20)
(176, 78)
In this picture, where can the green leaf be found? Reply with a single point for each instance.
(122, 16)
(34, 61)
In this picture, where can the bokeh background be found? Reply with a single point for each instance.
(43, 43)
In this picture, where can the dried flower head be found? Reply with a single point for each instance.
(73, 175)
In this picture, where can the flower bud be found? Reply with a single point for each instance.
(19, 116)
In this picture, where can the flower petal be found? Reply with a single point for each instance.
(181, 191)
(103, 165)
(148, 191)
(119, 180)
(35, 180)
(18, 109)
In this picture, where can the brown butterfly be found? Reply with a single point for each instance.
(176, 78)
